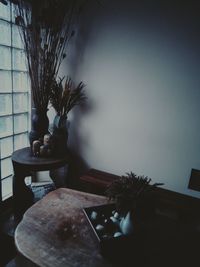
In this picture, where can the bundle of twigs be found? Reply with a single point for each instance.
(46, 27)
(64, 98)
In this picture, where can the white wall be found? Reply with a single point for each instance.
(141, 65)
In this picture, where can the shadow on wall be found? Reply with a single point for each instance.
(150, 49)
(78, 165)
(82, 37)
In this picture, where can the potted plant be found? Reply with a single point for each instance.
(134, 197)
(46, 28)
(63, 98)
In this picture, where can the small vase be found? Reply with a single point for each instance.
(60, 134)
(126, 224)
(39, 124)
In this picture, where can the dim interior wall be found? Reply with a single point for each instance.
(140, 62)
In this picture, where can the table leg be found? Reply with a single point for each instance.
(22, 195)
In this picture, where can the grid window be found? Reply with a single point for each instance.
(14, 97)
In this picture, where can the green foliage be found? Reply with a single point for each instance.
(130, 189)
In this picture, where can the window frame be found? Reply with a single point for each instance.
(5, 201)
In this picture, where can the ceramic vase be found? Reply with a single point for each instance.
(39, 124)
(126, 224)
(60, 134)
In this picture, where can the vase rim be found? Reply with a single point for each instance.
(40, 109)
(63, 115)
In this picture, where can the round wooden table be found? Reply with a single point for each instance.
(23, 164)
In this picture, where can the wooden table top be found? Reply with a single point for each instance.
(25, 157)
(43, 238)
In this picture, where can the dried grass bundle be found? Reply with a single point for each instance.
(64, 98)
(46, 27)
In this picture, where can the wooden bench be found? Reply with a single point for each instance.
(96, 181)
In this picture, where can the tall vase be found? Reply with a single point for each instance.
(60, 134)
(39, 124)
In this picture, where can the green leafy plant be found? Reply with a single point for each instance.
(130, 190)
(64, 98)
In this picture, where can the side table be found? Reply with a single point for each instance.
(23, 164)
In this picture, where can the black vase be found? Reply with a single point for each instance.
(60, 134)
(39, 124)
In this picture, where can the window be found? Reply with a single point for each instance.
(14, 97)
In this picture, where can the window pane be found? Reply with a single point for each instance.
(6, 147)
(13, 12)
(6, 167)
(14, 96)
(20, 102)
(20, 123)
(7, 188)
(6, 81)
(5, 104)
(16, 38)
(19, 60)
(20, 141)
(5, 36)
(20, 82)
(5, 12)
(5, 56)
(6, 126)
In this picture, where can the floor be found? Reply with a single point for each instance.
(8, 251)
(11, 263)
(7, 227)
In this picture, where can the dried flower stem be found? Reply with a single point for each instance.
(46, 27)
(64, 98)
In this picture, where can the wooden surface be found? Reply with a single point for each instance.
(25, 157)
(96, 181)
(23, 164)
(43, 238)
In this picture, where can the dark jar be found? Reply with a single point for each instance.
(60, 134)
(39, 124)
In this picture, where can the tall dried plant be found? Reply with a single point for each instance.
(46, 27)
(64, 98)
